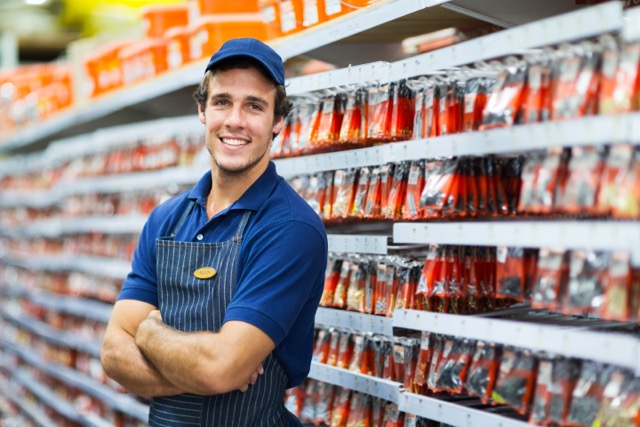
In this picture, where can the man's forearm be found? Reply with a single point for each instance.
(178, 356)
(127, 365)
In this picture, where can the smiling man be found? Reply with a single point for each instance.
(216, 318)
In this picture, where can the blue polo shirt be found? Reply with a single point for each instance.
(281, 265)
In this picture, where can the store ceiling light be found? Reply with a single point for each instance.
(36, 2)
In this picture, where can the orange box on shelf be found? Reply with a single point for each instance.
(270, 11)
(157, 19)
(178, 52)
(218, 6)
(291, 16)
(313, 12)
(143, 59)
(211, 31)
(103, 69)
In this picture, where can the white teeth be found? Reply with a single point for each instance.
(235, 142)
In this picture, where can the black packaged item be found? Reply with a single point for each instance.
(516, 379)
(587, 394)
(483, 370)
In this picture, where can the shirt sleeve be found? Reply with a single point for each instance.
(280, 275)
(140, 284)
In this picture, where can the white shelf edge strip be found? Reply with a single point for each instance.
(348, 25)
(598, 235)
(363, 244)
(452, 413)
(595, 130)
(616, 349)
(545, 32)
(360, 322)
(631, 26)
(378, 387)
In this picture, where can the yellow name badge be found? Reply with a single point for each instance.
(205, 273)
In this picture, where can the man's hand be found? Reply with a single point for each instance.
(254, 378)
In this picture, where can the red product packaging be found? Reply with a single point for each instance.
(483, 370)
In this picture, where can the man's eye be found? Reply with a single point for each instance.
(256, 107)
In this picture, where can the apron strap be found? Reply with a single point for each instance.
(241, 227)
(184, 216)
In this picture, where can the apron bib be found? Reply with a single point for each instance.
(192, 304)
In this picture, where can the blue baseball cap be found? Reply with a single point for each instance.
(251, 48)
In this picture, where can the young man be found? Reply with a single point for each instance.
(216, 318)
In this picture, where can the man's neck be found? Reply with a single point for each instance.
(227, 188)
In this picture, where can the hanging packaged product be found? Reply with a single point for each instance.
(359, 411)
(618, 293)
(504, 99)
(582, 184)
(359, 359)
(619, 92)
(360, 197)
(510, 273)
(333, 108)
(374, 194)
(535, 99)
(516, 378)
(587, 394)
(392, 207)
(627, 204)
(329, 195)
(551, 279)
(321, 345)
(556, 380)
(340, 294)
(354, 121)
(586, 282)
(331, 278)
(402, 112)
(415, 185)
(621, 407)
(324, 401)
(344, 193)
(380, 120)
(423, 362)
(454, 365)
(616, 166)
(357, 288)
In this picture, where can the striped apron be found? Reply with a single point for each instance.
(191, 304)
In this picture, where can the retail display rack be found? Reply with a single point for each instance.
(70, 138)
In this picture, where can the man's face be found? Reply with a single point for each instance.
(239, 121)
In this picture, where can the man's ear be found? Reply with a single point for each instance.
(277, 127)
(203, 119)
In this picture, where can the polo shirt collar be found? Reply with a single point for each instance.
(252, 199)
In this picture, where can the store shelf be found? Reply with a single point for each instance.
(358, 322)
(631, 29)
(597, 235)
(80, 307)
(614, 348)
(378, 387)
(565, 27)
(453, 414)
(34, 413)
(121, 402)
(596, 130)
(60, 338)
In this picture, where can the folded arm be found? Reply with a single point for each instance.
(204, 362)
